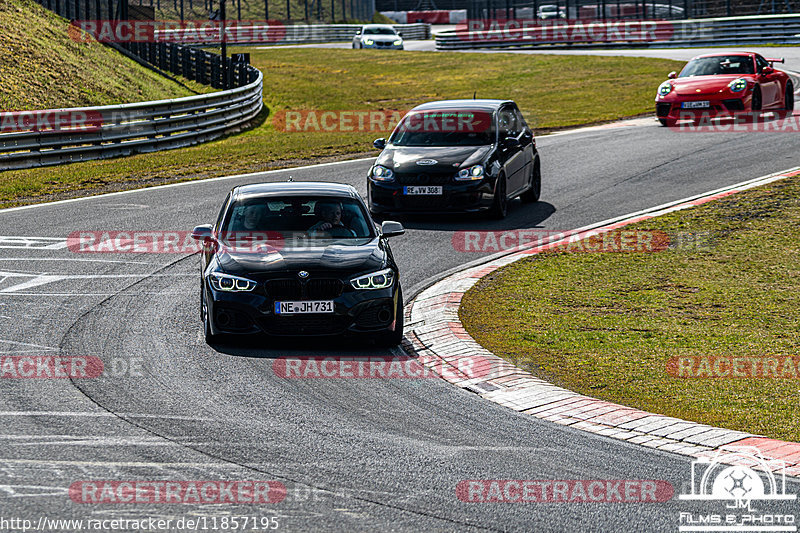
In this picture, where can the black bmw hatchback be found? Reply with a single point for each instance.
(299, 259)
(456, 156)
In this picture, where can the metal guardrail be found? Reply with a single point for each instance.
(767, 29)
(119, 130)
(290, 34)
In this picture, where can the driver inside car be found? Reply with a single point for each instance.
(330, 223)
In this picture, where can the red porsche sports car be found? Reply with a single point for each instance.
(723, 84)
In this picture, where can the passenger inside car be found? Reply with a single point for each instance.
(249, 218)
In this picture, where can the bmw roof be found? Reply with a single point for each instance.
(294, 188)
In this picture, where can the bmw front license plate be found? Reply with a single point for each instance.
(303, 307)
(422, 189)
(696, 105)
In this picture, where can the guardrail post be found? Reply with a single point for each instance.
(173, 59)
(165, 56)
(215, 73)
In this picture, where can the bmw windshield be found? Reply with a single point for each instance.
(297, 219)
(379, 31)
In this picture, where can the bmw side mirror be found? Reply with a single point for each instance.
(203, 233)
(400, 34)
(672, 75)
(390, 228)
(380, 144)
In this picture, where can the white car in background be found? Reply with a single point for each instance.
(550, 11)
(378, 36)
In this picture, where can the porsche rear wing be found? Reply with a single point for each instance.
(772, 60)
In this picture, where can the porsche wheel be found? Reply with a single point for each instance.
(788, 98)
(666, 122)
(755, 103)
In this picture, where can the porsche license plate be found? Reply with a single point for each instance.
(422, 189)
(304, 307)
(696, 105)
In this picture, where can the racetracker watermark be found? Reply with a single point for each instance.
(564, 491)
(71, 120)
(755, 122)
(189, 31)
(191, 492)
(179, 242)
(353, 120)
(733, 367)
(572, 31)
(50, 367)
(379, 367)
(316, 120)
(592, 241)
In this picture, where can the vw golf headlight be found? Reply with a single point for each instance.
(228, 283)
(738, 85)
(377, 280)
(665, 88)
(368, 42)
(382, 173)
(474, 172)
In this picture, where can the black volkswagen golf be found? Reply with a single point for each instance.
(456, 155)
(299, 258)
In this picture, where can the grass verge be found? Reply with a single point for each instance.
(551, 90)
(41, 67)
(605, 325)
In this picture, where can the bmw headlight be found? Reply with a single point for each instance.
(474, 172)
(382, 173)
(665, 88)
(368, 42)
(377, 280)
(228, 283)
(738, 85)
(398, 42)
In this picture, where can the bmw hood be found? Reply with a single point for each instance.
(329, 256)
(416, 159)
(700, 85)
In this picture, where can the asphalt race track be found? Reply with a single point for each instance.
(354, 454)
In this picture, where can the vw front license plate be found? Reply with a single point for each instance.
(422, 189)
(303, 307)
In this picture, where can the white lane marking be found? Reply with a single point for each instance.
(125, 206)
(43, 279)
(32, 243)
(91, 276)
(42, 346)
(43, 490)
(88, 294)
(62, 259)
(35, 282)
(106, 414)
(10, 352)
(111, 463)
(85, 440)
(181, 184)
